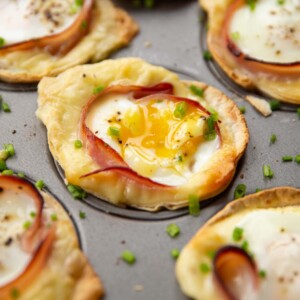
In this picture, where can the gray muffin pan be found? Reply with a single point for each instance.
(171, 36)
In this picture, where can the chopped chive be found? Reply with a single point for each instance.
(297, 159)
(2, 165)
(2, 41)
(175, 253)
(14, 293)
(5, 107)
(54, 217)
(8, 172)
(298, 112)
(194, 205)
(235, 36)
(240, 191)
(9, 149)
(149, 3)
(251, 4)
(262, 274)
(273, 138)
(84, 24)
(40, 184)
(242, 109)
(27, 225)
(98, 89)
(180, 110)
(113, 131)
(82, 215)
(204, 268)
(32, 214)
(180, 158)
(173, 230)
(79, 2)
(237, 234)
(207, 55)
(128, 257)
(76, 192)
(267, 171)
(274, 104)
(78, 144)
(211, 133)
(197, 91)
(287, 158)
(258, 190)
(21, 174)
(245, 246)
(281, 2)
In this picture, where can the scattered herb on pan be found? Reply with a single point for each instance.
(76, 192)
(2, 165)
(237, 234)
(197, 91)
(194, 205)
(207, 55)
(5, 107)
(8, 172)
(240, 191)
(242, 109)
(21, 174)
(175, 253)
(128, 257)
(204, 268)
(273, 138)
(82, 215)
(287, 158)
(173, 230)
(40, 184)
(274, 104)
(297, 159)
(268, 173)
(298, 112)
(258, 190)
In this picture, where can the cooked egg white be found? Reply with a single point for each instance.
(22, 20)
(274, 239)
(15, 209)
(270, 32)
(151, 140)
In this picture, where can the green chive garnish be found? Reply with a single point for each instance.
(211, 254)
(207, 55)
(9, 149)
(173, 230)
(180, 110)
(251, 4)
(27, 225)
(78, 144)
(235, 36)
(128, 257)
(237, 234)
(5, 107)
(40, 184)
(204, 268)
(281, 2)
(21, 174)
(175, 253)
(98, 89)
(267, 171)
(298, 112)
(287, 158)
(149, 3)
(8, 172)
(84, 24)
(194, 205)
(14, 293)
(242, 109)
(2, 41)
(113, 131)
(245, 246)
(54, 217)
(297, 159)
(76, 191)
(273, 138)
(2, 165)
(32, 214)
(211, 133)
(262, 274)
(197, 91)
(258, 190)
(240, 191)
(82, 215)
(274, 104)
(79, 2)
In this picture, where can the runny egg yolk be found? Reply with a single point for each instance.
(163, 140)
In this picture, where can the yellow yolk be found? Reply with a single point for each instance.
(151, 137)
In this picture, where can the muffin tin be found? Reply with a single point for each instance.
(172, 35)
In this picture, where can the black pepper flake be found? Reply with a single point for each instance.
(20, 187)
(14, 131)
(96, 131)
(118, 112)
(83, 75)
(8, 241)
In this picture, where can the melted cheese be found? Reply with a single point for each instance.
(274, 239)
(271, 32)
(22, 20)
(15, 210)
(151, 140)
